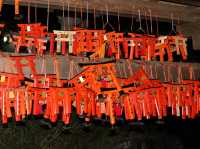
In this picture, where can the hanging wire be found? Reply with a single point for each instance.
(81, 14)
(178, 23)
(157, 26)
(95, 26)
(102, 19)
(68, 23)
(151, 22)
(132, 22)
(172, 24)
(87, 19)
(64, 23)
(48, 9)
(107, 20)
(35, 13)
(75, 17)
(178, 20)
(107, 15)
(146, 21)
(140, 21)
(172, 17)
(29, 11)
(119, 26)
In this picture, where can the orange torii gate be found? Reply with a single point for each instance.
(170, 44)
(113, 41)
(31, 35)
(89, 41)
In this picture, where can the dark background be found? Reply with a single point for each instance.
(172, 133)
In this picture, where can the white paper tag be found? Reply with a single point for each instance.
(11, 94)
(28, 28)
(3, 78)
(81, 79)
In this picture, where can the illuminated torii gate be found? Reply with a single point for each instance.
(63, 37)
(180, 45)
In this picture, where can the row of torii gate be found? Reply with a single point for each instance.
(96, 91)
(99, 43)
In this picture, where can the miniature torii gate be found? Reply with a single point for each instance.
(171, 44)
(31, 35)
(181, 47)
(61, 38)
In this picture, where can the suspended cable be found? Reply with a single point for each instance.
(172, 18)
(132, 21)
(68, 23)
(48, 9)
(75, 17)
(178, 23)
(81, 14)
(107, 17)
(140, 21)
(95, 26)
(64, 23)
(172, 24)
(151, 22)
(146, 21)
(29, 11)
(119, 27)
(35, 13)
(102, 19)
(87, 18)
(157, 26)
(178, 20)
(107, 20)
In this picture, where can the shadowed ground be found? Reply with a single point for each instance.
(173, 134)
